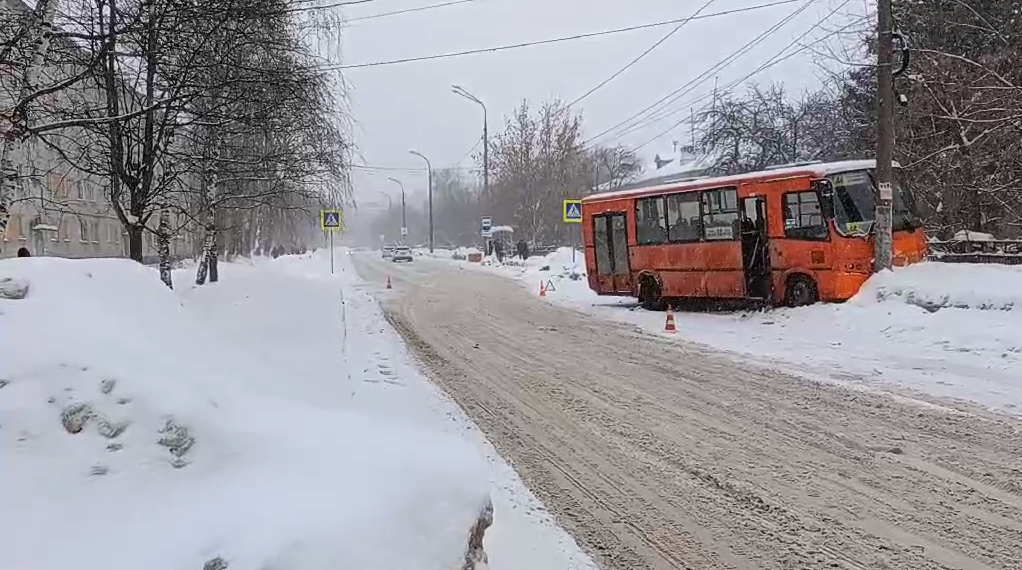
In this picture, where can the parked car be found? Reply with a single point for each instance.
(402, 253)
(388, 251)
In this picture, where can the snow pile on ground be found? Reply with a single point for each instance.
(948, 330)
(935, 286)
(135, 435)
(969, 235)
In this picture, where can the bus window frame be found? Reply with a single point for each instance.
(704, 200)
(698, 199)
(824, 228)
(663, 219)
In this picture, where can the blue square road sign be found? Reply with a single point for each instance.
(332, 220)
(572, 211)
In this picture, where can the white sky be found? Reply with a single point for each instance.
(411, 106)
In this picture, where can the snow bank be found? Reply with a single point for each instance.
(947, 330)
(935, 286)
(134, 437)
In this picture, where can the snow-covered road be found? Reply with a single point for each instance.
(668, 454)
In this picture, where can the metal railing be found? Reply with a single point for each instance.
(1004, 252)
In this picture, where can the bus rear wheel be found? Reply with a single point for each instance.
(800, 291)
(650, 295)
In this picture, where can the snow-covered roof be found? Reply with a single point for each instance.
(817, 169)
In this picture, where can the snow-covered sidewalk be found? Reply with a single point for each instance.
(948, 330)
(273, 420)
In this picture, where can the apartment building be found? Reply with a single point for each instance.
(58, 209)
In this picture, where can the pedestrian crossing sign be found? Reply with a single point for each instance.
(573, 211)
(332, 220)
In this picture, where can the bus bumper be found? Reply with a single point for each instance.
(844, 285)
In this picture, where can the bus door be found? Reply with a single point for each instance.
(610, 237)
(755, 247)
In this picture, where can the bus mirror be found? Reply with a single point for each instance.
(825, 188)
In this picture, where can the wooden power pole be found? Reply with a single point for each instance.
(885, 137)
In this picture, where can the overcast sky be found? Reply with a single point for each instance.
(410, 106)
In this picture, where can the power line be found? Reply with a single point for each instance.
(327, 6)
(375, 169)
(659, 114)
(408, 10)
(770, 63)
(776, 59)
(470, 151)
(688, 87)
(556, 40)
(642, 55)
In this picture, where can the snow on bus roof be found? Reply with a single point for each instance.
(816, 169)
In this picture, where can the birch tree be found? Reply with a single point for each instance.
(24, 44)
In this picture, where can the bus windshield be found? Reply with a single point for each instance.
(854, 204)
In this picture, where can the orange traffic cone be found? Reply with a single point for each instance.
(389, 286)
(542, 288)
(669, 326)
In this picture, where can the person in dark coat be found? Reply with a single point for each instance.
(24, 252)
(498, 249)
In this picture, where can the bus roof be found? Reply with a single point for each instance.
(818, 170)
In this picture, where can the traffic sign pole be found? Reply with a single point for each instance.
(331, 220)
(572, 213)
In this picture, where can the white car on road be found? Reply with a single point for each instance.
(402, 253)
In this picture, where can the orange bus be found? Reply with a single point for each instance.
(790, 235)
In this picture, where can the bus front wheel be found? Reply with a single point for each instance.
(650, 295)
(800, 291)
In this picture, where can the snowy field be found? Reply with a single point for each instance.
(272, 420)
(947, 330)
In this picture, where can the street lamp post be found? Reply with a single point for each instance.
(404, 218)
(459, 90)
(429, 175)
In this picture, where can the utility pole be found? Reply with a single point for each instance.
(404, 217)
(459, 90)
(429, 175)
(883, 217)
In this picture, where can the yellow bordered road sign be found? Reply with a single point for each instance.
(331, 220)
(572, 211)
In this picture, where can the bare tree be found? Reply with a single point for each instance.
(959, 137)
(765, 127)
(24, 44)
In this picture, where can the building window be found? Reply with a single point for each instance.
(803, 218)
(650, 224)
(84, 229)
(720, 214)
(683, 217)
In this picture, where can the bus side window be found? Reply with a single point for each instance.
(720, 214)
(683, 217)
(650, 222)
(803, 218)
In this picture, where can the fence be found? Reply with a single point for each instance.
(1004, 252)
